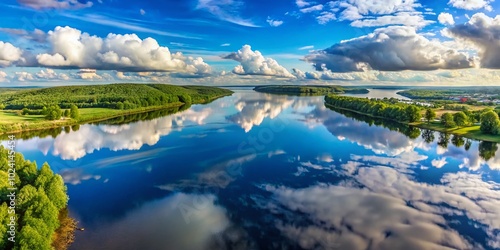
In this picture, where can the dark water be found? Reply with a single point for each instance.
(257, 171)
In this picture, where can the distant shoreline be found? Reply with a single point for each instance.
(472, 132)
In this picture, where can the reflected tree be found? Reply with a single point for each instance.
(487, 150)
(468, 144)
(428, 136)
(458, 141)
(444, 139)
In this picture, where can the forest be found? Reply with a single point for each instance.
(386, 108)
(481, 124)
(309, 89)
(35, 216)
(115, 96)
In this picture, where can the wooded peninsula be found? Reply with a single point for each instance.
(35, 109)
(480, 124)
(309, 90)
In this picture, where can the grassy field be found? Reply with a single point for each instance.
(472, 132)
(12, 122)
(7, 117)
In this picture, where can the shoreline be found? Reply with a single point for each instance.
(45, 125)
(469, 134)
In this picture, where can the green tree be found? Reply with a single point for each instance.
(447, 120)
(2, 106)
(430, 115)
(428, 136)
(185, 99)
(413, 113)
(53, 113)
(67, 113)
(487, 150)
(460, 119)
(490, 123)
(120, 105)
(458, 141)
(25, 111)
(74, 112)
(444, 139)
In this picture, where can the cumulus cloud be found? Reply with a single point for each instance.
(471, 4)
(3, 76)
(132, 136)
(352, 218)
(55, 4)
(49, 74)
(166, 222)
(446, 18)
(23, 76)
(9, 54)
(254, 63)
(393, 48)
(254, 108)
(483, 32)
(72, 48)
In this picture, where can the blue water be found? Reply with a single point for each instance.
(259, 171)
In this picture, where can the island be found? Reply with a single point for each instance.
(44, 108)
(480, 124)
(310, 90)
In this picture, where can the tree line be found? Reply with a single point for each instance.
(396, 111)
(40, 197)
(115, 96)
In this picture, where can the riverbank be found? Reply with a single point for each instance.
(471, 132)
(309, 90)
(11, 122)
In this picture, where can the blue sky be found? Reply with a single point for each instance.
(250, 42)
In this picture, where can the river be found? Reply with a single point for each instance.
(261, 171)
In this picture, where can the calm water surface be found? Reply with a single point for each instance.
(259, 171)
(381, 93)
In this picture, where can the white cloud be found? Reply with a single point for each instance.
(23, 76)
(484, 33)
(179, 221)
(3, 77)
(253, 109)
(226, 10)
(446, 18)
(142, 11)
(389, 49)
(308, 47)
(9, 54)
(351, 218)
(404, 18)
(72, 48)
(49, 74)
(302, 3)
(471, 4)
(274, 23)
(325, 17)
(312, 8)
(254, 63)
(439, 163)
(225, 45)
(55, 4)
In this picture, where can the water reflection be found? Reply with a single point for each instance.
(327, 180)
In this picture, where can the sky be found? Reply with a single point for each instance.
(249, 42)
